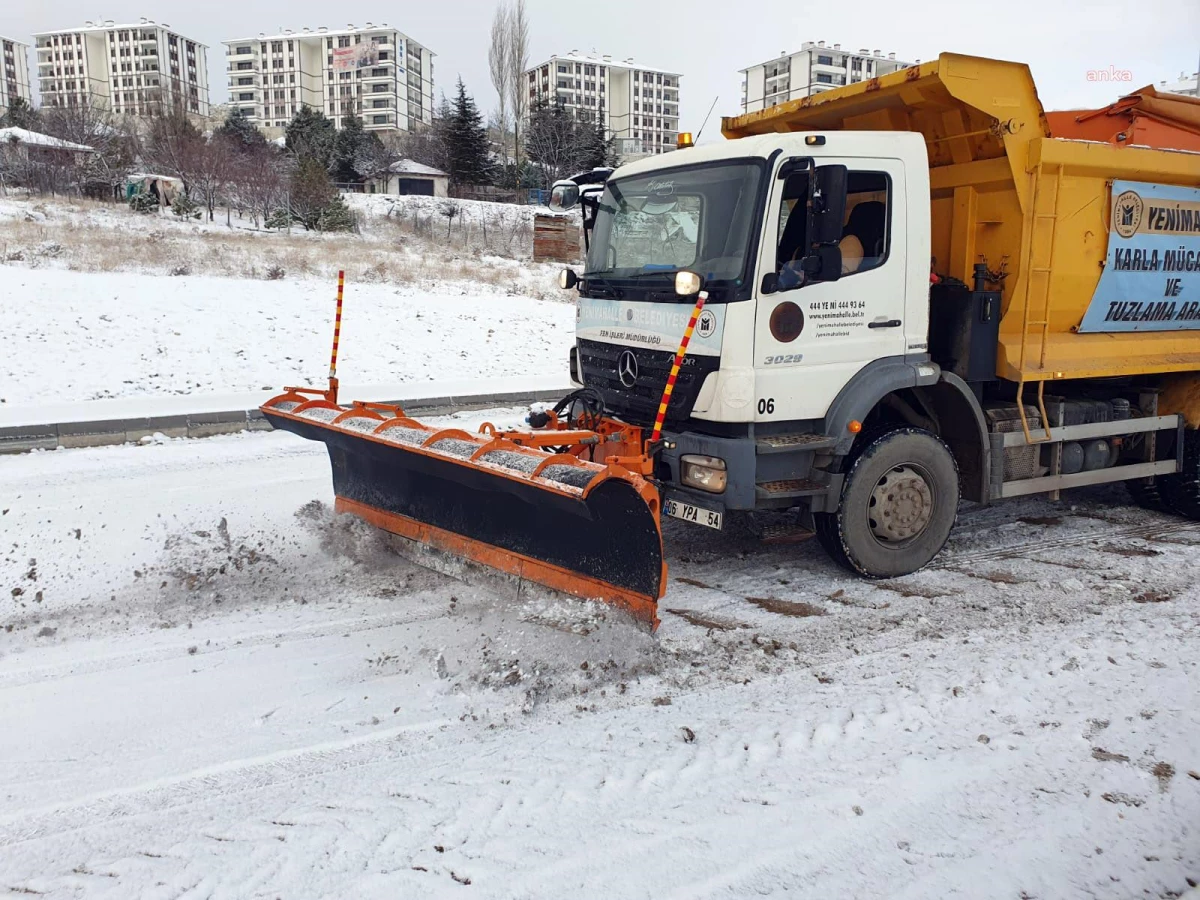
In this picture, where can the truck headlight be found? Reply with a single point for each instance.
(705, 473)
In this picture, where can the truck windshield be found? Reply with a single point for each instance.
(700, 218)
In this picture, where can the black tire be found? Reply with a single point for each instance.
(1180, 491)
(909, 534)
(826, 528)
(1147, 494)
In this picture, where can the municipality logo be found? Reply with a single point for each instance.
(1127, 213)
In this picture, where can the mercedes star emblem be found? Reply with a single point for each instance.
(627, 368)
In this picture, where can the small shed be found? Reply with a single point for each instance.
(33, 146)
(408, 177)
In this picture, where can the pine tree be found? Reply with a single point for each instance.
(467, 142)
(596, 149)
(241, 132)
(20, 115)
(311, 192)
(310, 134)
(346, 146)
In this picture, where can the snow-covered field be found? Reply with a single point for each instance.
(75, 336)
(91, 313)
(209, 687)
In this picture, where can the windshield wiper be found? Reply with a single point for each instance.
(596, 285)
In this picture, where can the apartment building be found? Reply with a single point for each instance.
(639, 105)
(140, 70)
(810, 70)
(1188, 85)
(14, 73)
(375, 72)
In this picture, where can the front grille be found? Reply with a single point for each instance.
(638, 404)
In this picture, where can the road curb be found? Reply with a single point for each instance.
(106, 432)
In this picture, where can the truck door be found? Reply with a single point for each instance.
(809, 341)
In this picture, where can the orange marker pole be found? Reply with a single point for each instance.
(679, 355)
(337, 332)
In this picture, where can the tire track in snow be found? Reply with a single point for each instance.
(129, 659)
(1160, 527)
(209, 784)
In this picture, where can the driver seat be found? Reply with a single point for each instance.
(868, 224)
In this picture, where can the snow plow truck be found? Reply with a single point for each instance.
(862, 306)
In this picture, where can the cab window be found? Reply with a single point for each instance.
(865, 232)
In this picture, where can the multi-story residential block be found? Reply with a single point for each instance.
(639, 105)
(375, 72)
(141, 70)
(811, 69)
(1188, 85)
(14, 73)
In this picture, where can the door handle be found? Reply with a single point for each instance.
(890, 323)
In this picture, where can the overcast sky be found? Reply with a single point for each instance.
(707, 41)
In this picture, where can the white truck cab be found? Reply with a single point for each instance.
(815, 254)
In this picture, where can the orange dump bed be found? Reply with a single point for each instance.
(1144, 118)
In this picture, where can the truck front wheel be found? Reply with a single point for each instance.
(899, 502)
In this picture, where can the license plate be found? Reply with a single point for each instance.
(694, 514)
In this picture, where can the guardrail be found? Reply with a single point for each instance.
(105, 432)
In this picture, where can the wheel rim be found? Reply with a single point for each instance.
(901, 506)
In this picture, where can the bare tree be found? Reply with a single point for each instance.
(208, 162)
(500, 68)
(373, 159)
(518, 62)
(261, 182)
(115, 142)
(555, 141)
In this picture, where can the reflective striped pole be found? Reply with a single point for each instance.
(679, 355)
(337, 332)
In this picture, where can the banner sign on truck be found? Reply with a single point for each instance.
(654, 326)
(1151, 277)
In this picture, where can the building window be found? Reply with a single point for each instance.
(824, 60)
(379, 120)
(824, 78)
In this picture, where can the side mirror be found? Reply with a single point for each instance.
(564, 196)
(828, 205)
(567, 279)
(770, 283)
(688, 284)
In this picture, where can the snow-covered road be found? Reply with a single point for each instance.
(209, 687)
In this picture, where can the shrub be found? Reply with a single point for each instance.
(278, 219)
(276, 273)
(336, 216)
(144, 203)
(186, 208)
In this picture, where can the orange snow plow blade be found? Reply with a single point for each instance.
(566, 508)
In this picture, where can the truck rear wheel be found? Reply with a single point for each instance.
(898, 505)
(1180, 491)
